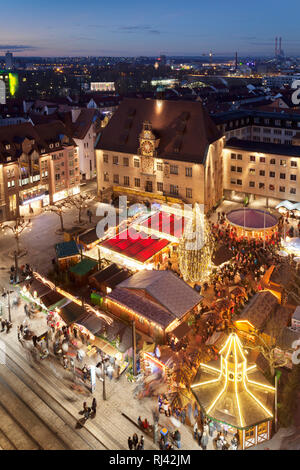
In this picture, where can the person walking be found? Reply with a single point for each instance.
(8, 326)
(141, 443)
(177, 438)
(3, 325)
(195, 430)
(94, 406)
(130, 443)
(204, 440)
(135, 440)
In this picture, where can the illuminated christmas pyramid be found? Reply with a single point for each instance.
(231, 391)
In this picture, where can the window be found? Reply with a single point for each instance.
(293, 190)
(262, 160)
(189, 193)
(126, 161)
(173, 169)
(272, 161)
(261, 185)
(240, 156)
(115, 160)
(293, 177)
(160, 187)
(278, 123)
(288, 142)
(137, 182)
(282, 189)
(294, 163)
(106, 176)
(232, 181)
(239, 169)
(239, 182)
(159, 167)
(174, 189)
(267, 139)
(57, 177)
(233, 156)
(288, 133)
(283, 162)
(126, 180)
(262, 172)
(277, 131)
(189, 172)
(136, 162)
(282, 176)
(252, 158)
(116, 179)
(267, 131)
(251, 184)
(105, 158)
(272, 174)
(251, 171)
(271, 187)
(233, 168)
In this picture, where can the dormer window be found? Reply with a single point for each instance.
(7, 146)
(51, 146)
(57, 144)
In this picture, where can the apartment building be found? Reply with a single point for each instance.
(38, 165)
(262, 170)
(161, 150)
(259, 126)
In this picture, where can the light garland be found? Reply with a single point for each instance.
(196, 248)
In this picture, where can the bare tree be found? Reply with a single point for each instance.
(17, 227)
(59, 209)
(80, 202)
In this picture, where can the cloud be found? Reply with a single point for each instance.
(16, 47)
(138, 29)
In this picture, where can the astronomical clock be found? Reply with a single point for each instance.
(147, 148)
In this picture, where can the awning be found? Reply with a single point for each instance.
(288, 205)
(38, 287)
(53, 299)
(71, 312)
(105, 347)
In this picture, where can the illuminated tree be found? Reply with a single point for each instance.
(80, 202)
(59, 209)
(17, 227)
(196, 248)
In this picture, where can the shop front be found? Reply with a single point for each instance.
(33, 200)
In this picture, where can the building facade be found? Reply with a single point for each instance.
(39, 166)
(161, 150)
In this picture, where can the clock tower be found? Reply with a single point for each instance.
(147, 141)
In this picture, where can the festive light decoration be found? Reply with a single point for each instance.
(196, 248)
(233, 378)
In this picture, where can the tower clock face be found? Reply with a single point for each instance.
(147, 147)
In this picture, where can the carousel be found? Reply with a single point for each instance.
(252, 223)
(236, 394)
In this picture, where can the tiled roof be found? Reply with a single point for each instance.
(66, 249)
(165, 288)
(171, 121)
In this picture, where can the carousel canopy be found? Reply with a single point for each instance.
(252, 219)
(231, 391)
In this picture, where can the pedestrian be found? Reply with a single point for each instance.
(87, 413)
(195, 430)
(3, 325)
(94, 406)
(34, 340)
(141, 443)
(135, 440)
(204, 440)
(8, 326)
(177, 438)
(130, 443)
(183, 416)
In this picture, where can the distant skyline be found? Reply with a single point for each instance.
(134, 28)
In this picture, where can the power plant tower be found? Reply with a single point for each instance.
(276, 50)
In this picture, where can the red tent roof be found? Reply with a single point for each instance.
(136, 245)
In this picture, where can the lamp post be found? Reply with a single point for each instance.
(133, 349)
(103, 378)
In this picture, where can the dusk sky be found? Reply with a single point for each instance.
(132, 27)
